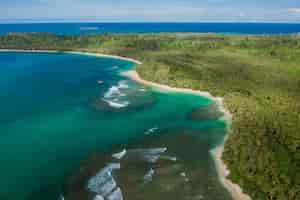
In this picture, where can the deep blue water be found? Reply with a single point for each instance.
(96, 28)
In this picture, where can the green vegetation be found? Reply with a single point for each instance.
(259, 77)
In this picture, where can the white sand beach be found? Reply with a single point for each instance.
(234, 189)
(72, 52)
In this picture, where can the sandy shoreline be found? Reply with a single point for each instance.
(73, 52)
(234, 189)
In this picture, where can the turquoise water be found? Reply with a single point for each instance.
(56, 110)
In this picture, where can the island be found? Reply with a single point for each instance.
(258, 77)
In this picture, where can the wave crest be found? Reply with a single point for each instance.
(115, 97)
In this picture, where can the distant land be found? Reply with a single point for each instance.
(100, 28)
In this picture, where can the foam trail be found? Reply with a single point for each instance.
(98, 197)
(151, 158)
(148, 155)
(114, 90)
(148, 177)
(115, 195)
(123, 84)
(169, 158)
(149, 151)
(157, 150)
(114, 94)
(103, 182)
(107, 187)
(117, 104)
(151, 130)
(119, 155)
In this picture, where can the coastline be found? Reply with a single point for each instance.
(235, 190)
(222, 171)
(73, 52)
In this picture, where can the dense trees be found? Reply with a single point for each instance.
(259, 77)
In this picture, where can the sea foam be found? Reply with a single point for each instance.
(148, 177)
(115, 95)
(98, 197)
(146, 155)
(151, 130)
(116, 104)
(103, 183)
(123, 84)
(113, 91)
(119, 155)
(115, 195)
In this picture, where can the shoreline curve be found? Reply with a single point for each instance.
(234, 189)
(73, 52)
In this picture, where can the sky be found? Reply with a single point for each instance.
(150, 10)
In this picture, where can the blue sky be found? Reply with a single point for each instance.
(150, 10)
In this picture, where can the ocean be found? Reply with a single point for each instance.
(72, 128)
(100, 28)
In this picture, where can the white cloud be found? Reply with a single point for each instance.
(152, 10)
(294, 10)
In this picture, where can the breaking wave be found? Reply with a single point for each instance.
(148, 177)
(112, 92)
(115, 96)
(120, 155)
(151, 130)
(123, 84)
(116, 104)
(104, 184)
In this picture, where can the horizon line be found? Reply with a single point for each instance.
(34, 21)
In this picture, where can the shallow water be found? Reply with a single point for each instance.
(59, 110)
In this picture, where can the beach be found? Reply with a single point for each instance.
(73, 52)
(234, 189)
